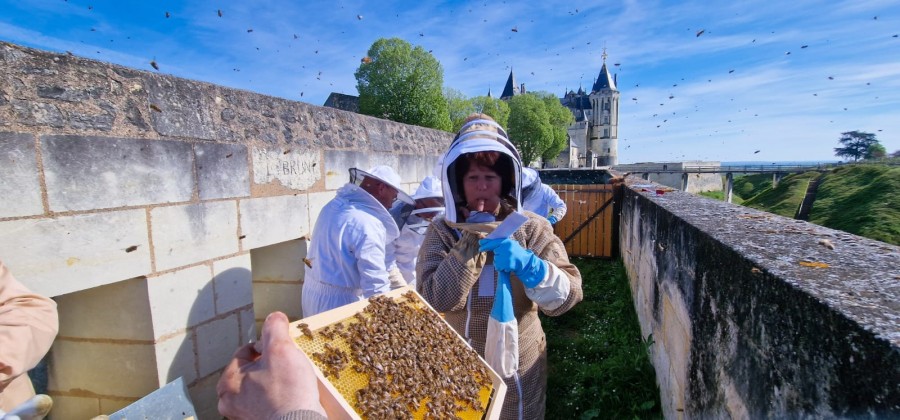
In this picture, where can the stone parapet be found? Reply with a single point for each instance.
(753, 315)
(149, 206)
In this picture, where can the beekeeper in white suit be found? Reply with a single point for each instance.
(347, 253)
(540, 198)
(413, 221)
(457, 268)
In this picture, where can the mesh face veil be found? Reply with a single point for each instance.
(384, 174)
(478, 136)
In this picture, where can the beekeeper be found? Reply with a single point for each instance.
(413, 221)
(28, 325)
(456, 271)
(540, 198)
(347, 253)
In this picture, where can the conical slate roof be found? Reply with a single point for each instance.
(510, 90)
(604, 80)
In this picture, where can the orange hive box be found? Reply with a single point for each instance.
(393, 356)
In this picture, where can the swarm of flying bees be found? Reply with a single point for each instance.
(408, 354)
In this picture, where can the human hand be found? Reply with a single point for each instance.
(269, 379)
(509, 256)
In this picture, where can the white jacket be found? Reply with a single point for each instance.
(545, 202)
(347, 252)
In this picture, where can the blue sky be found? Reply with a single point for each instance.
(764, 81)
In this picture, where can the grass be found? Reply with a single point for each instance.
(862, 199)
(599, 365)
(720, 195)
(748, 186)
(786, 197)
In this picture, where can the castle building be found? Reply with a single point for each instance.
(511, 89)
(594, 136)
(596, 127)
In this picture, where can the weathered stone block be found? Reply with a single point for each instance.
(317, 201)
(248, 326)
(181, 109)
(282, 262)
(125, 306)
(69, 94)
(217, 341)
(181, 299)
(176, 356)
(84, 173)
(269, 220)
(38, 114)
(109, 369)
(102, 121)
(293, 169)
(58, 256)
(195, 232)
(19, 181)
(205, 398)
(109, 406)
(233, 283)
(338, 162)
(75, 408)
(271, 297)
(222, 170)
(407, 168)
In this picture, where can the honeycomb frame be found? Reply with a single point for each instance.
(338, 394)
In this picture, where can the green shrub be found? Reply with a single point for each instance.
(599, 366)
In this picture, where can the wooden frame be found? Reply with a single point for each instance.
(336, 406)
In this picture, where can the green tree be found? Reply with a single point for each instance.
(402, 83)
(459, 107)
(856, 144)
(560, 120)
(529, 126)
(497, 109)
(876, 151)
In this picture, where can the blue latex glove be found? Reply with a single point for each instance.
(509, 256)
(502, 310)
(552, 220)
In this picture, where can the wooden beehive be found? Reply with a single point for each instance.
(336, 340)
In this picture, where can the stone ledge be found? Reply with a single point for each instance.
(810, 341)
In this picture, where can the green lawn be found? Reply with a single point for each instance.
(720, 195)
(785, 198)
(861, 199)
(748, 186)
(599, 365)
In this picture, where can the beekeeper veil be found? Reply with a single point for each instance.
(480, 134)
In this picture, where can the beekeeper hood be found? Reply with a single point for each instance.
(384, 174)
(479, 135)
(429, 188)
(531, 182)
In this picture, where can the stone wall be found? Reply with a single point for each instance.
(166, 216)
(753, 315)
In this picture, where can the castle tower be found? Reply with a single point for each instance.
(604, 130)
(511, 89)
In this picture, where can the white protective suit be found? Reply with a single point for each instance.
(412, 230)
(539, 198)
(347, 251)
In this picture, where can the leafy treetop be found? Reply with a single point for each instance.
(401, 83)
(856, 145)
